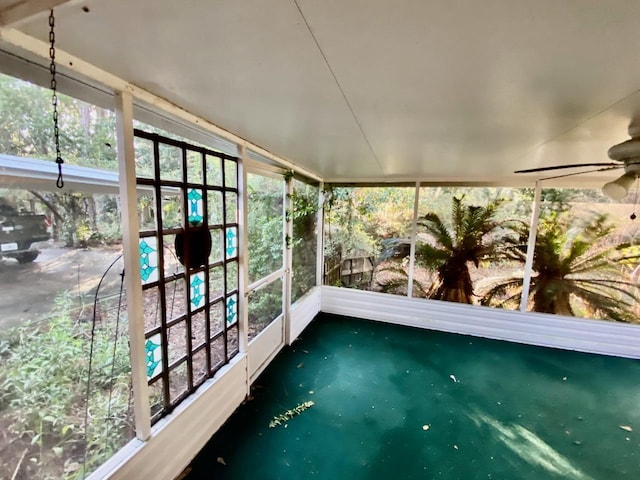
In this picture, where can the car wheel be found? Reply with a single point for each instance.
(27, 257)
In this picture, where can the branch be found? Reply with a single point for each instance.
(48, 204)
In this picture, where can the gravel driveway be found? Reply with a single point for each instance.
(27, 292)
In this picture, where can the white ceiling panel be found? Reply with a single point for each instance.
(250, 67)
(412, 89)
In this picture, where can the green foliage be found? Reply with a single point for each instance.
(26, 128)
(87, 139)
(359, 220)
(577, 266)
(305, 208)
(43, 388)
(470, 236)
(265, 305)
(265, 210)
(288, 175)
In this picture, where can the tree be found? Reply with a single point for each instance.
(358, 219)
(474, 235)
(87, 138)
(265, 227)
(304, 201)
(574, 264)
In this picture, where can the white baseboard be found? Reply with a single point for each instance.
(570, 333)
(264, 347)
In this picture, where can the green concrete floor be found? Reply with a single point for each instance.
(494, 410)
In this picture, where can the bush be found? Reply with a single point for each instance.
(43, 390)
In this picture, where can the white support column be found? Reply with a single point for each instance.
(414, 232)
(133, 283)
(243, 260)
(288, 258)
(320, 235)
(243, 264)
(531, 247)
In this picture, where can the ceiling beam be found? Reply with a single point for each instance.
(22, 10)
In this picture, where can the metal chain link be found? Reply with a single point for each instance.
(54, 97)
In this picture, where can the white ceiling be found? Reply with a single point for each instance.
(460, 90)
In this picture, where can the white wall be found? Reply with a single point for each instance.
(570, 333)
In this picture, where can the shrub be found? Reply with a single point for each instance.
(43, 390)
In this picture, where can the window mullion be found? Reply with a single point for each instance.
(414, 232)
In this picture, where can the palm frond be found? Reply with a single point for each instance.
(608, 285)
(610, 308)
(398, 281)
(430, 256)
(500, 287)
(434, 226)
(457, 215)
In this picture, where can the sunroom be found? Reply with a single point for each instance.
(244, 185)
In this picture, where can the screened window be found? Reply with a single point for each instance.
(304, 242)
(360, 224)
(65, 373)
(265, 227)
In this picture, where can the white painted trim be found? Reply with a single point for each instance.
(513, 181)
(178, 126)
(83, 68)
(266, 170)
(133, 282)
(177, 438)
(243, 251)
(320, 236)
(287, 283)
(38, 73)
(264, 347)
(531, 248)
(264, 281)
(21, 11)
(414, 232)
(569, 333)
(303, 312)
(33, 173)
(37, 174)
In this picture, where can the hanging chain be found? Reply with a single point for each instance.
(54, 97)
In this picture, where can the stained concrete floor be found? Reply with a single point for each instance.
(393, 402)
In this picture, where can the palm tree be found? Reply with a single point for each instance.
(572, 265)
(475, 235)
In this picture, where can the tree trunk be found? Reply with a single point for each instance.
(48, 204)
(92, 213)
